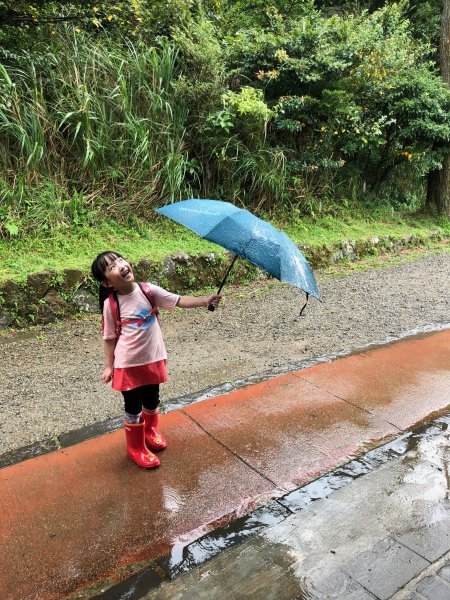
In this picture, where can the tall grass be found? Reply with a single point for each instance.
(99, 117)
(91, 124)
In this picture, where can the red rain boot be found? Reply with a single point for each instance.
(136, 448)
(154, 439)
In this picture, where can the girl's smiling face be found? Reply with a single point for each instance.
(119, 274)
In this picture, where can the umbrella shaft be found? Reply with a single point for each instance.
(227, 273)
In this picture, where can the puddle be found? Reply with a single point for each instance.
(401, 516)
(425, 454)
(172, 500)
(183, 559)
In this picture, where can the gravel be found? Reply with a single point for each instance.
(51, 375)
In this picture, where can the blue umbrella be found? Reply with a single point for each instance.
(246, 236)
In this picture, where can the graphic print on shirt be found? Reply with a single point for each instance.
(145, 319)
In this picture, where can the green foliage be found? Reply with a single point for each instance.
(424, 16)
(354, 97)
(43, 208)
(118, 107)
(75, 248)
(425, 20)
(249, 104)
(233, 16)
(199, 88)
(22, 22)
(229, 154)
(245, 112)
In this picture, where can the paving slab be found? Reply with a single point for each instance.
(432, 575)
(73, 517)
(373, 382)
(434, 588)
(385, 568)
(431, 539)
(338, 547)
(289, 430)
(86, 514)
(444, 572)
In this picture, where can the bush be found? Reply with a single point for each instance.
(354, 96)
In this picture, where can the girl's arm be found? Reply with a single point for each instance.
(198, 301)
(108, 348)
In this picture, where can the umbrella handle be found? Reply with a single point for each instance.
(212, 308)
(304, 306)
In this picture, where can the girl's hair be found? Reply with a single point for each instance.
(98, 270)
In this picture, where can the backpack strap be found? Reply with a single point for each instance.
(145, 288)
(115, 310)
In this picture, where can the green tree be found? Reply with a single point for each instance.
(438, 192)
(352, 94)
(129, 17)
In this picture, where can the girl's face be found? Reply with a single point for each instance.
(118, 274)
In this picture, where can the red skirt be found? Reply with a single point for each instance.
(129, 378)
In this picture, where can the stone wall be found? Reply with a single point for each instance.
(48, 296)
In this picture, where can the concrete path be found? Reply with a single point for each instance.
(76, 521)
(366, 541)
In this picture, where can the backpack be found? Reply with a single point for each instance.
(115, 309)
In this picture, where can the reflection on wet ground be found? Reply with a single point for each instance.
(104, 519)
(337, 537)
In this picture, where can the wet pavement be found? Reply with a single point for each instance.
(248, 466)
(369, 539)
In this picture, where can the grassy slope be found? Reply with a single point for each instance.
(75, 248)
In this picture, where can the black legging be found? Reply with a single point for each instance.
(146, 396)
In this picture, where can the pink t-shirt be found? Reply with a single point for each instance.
(138, 344)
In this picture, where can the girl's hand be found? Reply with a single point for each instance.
(214, 300)
(107, 375)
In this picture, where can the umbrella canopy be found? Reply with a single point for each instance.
(246, 236)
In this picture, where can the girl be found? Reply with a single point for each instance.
(135, 355)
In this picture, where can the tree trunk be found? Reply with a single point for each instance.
(438, 192)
